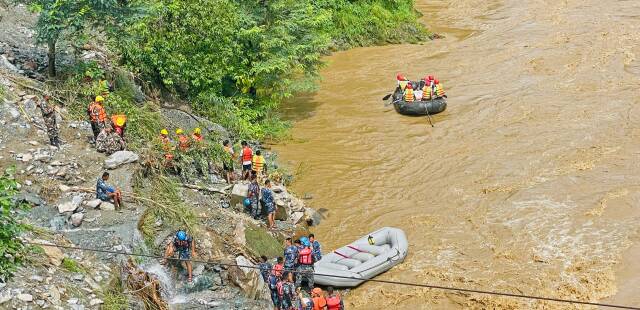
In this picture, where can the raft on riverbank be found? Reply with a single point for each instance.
(362, 259)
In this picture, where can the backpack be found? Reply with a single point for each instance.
(273, 282)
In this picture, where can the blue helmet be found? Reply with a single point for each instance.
(181, 235)
(246, 202)
(305, 241)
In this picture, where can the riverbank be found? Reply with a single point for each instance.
(527, 175)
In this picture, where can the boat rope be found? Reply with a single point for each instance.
(430, 286)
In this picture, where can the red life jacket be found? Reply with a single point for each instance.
(247, 154)
(333, 302)
(305, 257)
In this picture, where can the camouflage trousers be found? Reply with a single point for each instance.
(305, 272)
(52, 130)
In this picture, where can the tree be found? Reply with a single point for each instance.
(60, 19)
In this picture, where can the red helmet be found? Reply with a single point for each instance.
(409, 86)
(430, 78)
(436, 82)
(399, 77)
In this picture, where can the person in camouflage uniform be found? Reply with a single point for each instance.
(49, 116)
(109, 142)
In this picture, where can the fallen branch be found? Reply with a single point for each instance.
(208, 189)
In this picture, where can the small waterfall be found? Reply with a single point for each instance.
(167, 282)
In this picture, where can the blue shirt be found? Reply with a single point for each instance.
(267, 196)
(254, 191)
(316, 250)
(102, 190)
(265, 268)
(290, 256)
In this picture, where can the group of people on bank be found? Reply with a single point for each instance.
(285, 278)
(181, 142)
(428, 88)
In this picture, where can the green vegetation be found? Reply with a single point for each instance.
(12, 250)
(72, 266)
(114, 297)
(262, 243)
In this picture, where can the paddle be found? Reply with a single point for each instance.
(429, 116)
(386, 97)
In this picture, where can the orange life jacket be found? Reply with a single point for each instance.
(97, 113)
(304, 257)
(408, 95)
(247, 154)
(333, 302)
(183, 142)
(258, 163)
(197, 138)
(319, 303)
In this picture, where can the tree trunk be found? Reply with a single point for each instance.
(51, 54)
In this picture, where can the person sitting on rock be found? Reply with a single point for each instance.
(269, 203)
(185, 246)
(108, 193)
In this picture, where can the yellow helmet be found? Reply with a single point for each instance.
(197, 130)
(99, 99)
(179, 131)
(164, 132)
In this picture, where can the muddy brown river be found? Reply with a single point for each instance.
(528, 183)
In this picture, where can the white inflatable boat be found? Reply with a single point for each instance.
(363, 259)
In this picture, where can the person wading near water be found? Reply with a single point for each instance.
(108, 193)
(305, 264)
(246, 159)
(49, 117)
(97, 116)
(334, 302)
(254, 196)
(290, 255)
(269, 203)
(408, 93)
(185, 246)
(227, 164)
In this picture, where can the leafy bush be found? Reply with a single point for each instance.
(12, 250)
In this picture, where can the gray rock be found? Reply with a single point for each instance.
(36, 278)
(5, 297)
(314, 216)
(25, 297)
(4, 62)
(30, 198)
(58, 223)
(95, 301)
(296, 217)
(120, 158)
(76, 219)
(107, 206)
(70, 205)
(189, 121)
(93, 204)
(25, 158)
(40, 302)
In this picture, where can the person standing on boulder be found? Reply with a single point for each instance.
(267, 199)
(49, 116)
(246, 159)
(108, 193)
(97, 116)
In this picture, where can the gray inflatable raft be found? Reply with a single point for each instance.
(360, 260)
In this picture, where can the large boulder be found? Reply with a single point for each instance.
(76, 219)
(238, 193)
(189, 121)
(70, 204)
(120, 158)
(248, 279)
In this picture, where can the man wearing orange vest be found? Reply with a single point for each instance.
(246, 159)
(319, 302)
(97, 116)
(334, 302)
(305, 263)
(196, 136)
(183, 140)
(167, 145)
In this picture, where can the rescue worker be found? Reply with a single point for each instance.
(305, 263)
(439, 89)
(246, 158)
(315, 247)
(185, 246)
(408, 93)
(196, 137)
(183, 140)
(334, 302)
(119, 123)
(274, 277)
(253, 194)
(97, 116)
(319, 303)
(265, 268)
(269, 203)
(287, 293)
(227, 165)
(49, 116)
(258, 164)
(304, 302)
(167, 145)
(109, 142)
(402, 81)
(108, 193)
(418, 94)
(290, 255)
